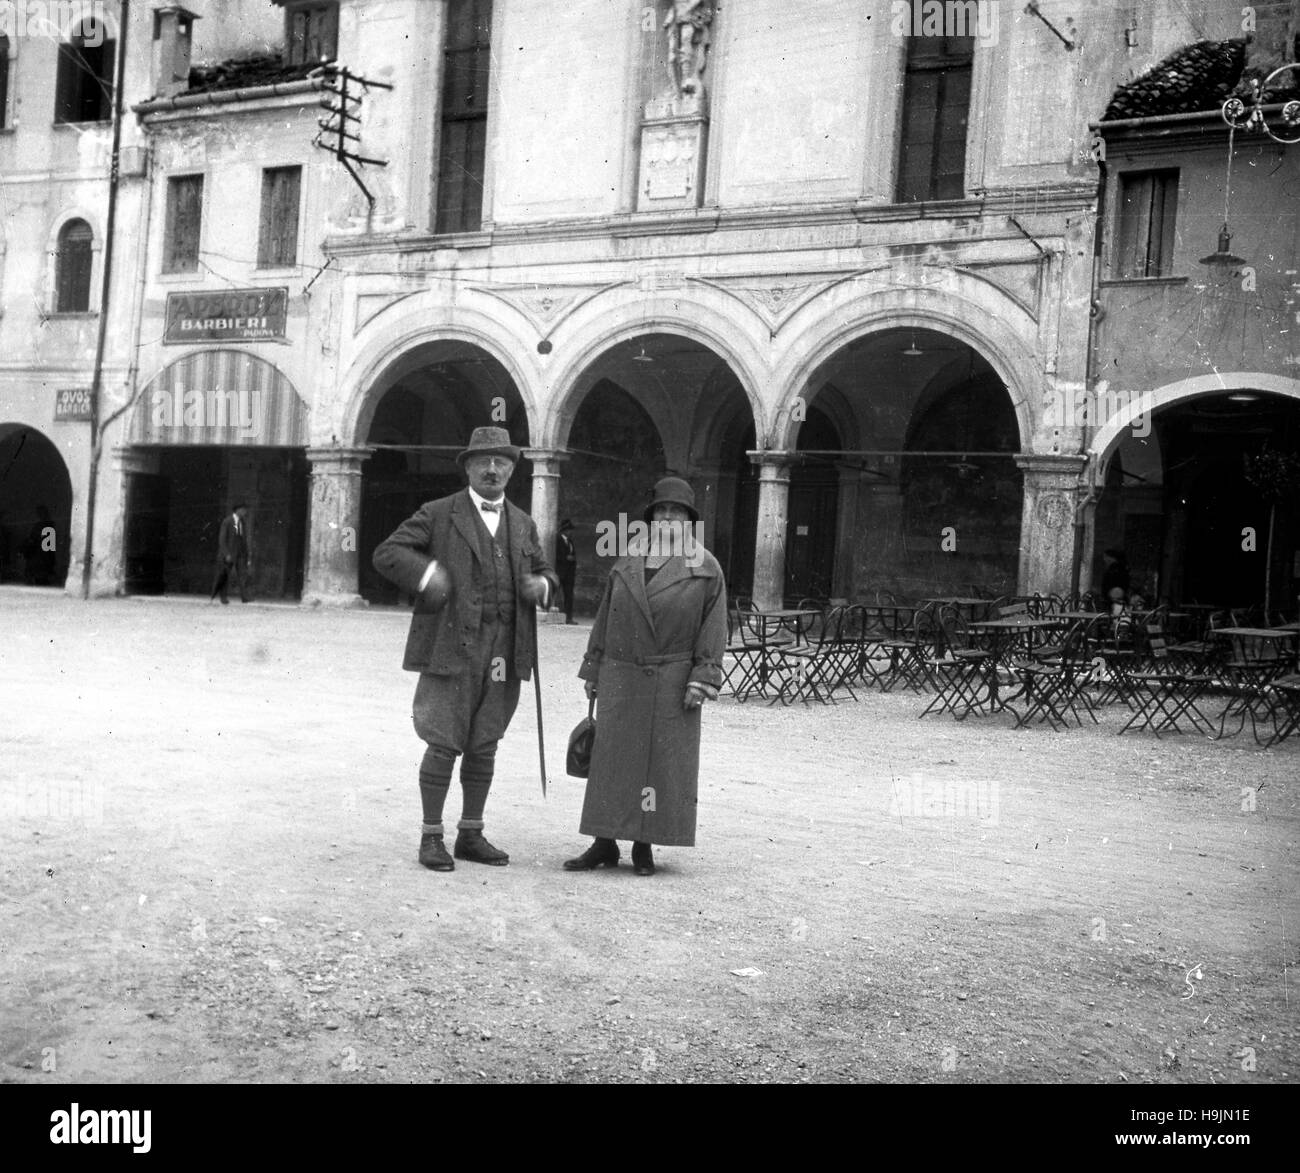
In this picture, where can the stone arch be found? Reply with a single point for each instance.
(997, 333)
(1111, 432)
(421, 320)
(582, 342)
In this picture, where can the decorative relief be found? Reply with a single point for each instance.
(774, 300)
(1054, 510)
(545, 305)
(672, 164)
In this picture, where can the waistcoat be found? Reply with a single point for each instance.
(498, 577)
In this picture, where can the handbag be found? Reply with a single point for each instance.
(577, 762)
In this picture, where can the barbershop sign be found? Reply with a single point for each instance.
(72, 404)
(228, 315)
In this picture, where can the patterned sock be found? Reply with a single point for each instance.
(435, 780)
(476, 771)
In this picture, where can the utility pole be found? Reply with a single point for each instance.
(97, 378)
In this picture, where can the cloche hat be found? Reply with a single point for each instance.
(672, 491)
(489, 442)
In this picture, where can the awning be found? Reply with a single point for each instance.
(220, 397)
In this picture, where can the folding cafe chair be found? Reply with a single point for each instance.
(1163, 694)
(1054, 685)
(813, 671)
(745, 647)
(959, 671)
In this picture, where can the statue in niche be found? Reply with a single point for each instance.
(687, 23)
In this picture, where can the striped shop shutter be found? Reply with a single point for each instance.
(220, 397)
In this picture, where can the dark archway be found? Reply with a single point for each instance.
(1194, 518)
(615, 454)
(35, 508)
(418, 416)
(962, 506)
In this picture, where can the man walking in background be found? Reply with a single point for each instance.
(566, 558)
(474, 562)
(234, 554)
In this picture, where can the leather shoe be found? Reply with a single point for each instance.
(643, 860)
(602, 853)
(433, 854)
(472, 846)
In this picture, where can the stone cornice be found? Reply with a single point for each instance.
(1045, 199)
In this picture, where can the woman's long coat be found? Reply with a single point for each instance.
(647, 643)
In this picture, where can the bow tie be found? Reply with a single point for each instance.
(491, 506)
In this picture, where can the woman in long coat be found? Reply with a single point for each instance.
(654, 657)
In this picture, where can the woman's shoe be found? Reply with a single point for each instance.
(643, 860)
(602, 853)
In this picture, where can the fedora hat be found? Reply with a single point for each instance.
(489, 442)
(672, 491)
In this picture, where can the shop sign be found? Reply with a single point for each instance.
(72, 404)
(226, 315)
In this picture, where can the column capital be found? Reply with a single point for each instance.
(774, 464)
(337, 459)
(1049, 464)
(546, 461)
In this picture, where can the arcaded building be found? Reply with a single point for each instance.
(835, 264)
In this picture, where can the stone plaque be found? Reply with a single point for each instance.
(672, 163)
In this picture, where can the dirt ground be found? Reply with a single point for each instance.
(209, 821)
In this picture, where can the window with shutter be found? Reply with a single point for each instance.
(277, 242)
(311, 33)
(83, 82)
(184, 221)
(72, 268)
(463, 139)
(1148, 203)
(936, 110)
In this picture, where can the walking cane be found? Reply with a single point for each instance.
(537, 689)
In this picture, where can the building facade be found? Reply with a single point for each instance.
(1197, 339)
(834, 266)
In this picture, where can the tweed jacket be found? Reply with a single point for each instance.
(440, 642)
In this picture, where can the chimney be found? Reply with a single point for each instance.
(173, 29)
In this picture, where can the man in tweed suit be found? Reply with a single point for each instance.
(475, 563)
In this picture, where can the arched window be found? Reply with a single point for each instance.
(72, 268)
(84, 84)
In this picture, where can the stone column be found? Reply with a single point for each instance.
(773, 517)
(129, 461)
(545, 508)
(334, 527)
(1047, 522)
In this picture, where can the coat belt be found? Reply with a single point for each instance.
(647, 661)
